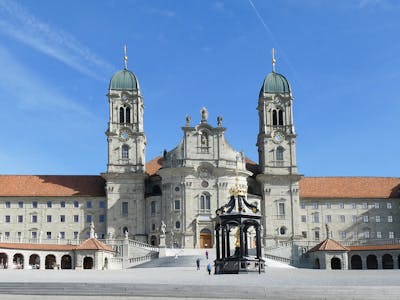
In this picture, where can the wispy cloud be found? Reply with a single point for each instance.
(160, 12)
(28, 92)
(18, 23)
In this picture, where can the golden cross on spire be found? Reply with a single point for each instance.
(273, 60)
(125, 59)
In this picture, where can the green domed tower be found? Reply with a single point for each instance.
(276, 144)
(126, 157)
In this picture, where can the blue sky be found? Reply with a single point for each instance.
(341, 58)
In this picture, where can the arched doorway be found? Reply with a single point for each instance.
(18, 261)
(34, 261)
(153, 240)
(88, 263)
(205, 238)
(356, 263)
(336, 263)
(3, 261)
(387, 261)
(66, 262)
(317, 265)
(50, 262)
(372, 262)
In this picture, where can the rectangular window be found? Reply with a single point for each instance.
(315, 205)
(8, 204)
(366, 234)
(315, 218)
(76, 235)
(8, 219)
(365, 205)
(88, 204)
(20, 204)
(7, 234)
(304, 234)
(341, 205)
(342, 218)
(62, 204)
(316, 235)
(76, 218)
(343, 235)
(125, 208)
(355, 235)
(389, 205)
(378, 219)
(102, 204)
(49, 204)
(76, 204)
(390, 219)
(34, 234)
(34, 204)
(328, 218)
(353, 205)
(19, 234)
(177, 205)
(304, 219)
(34, 218)
(48, 235)
(391, 235)
(354, 219)
(48, 218)
(20, 219)
(101, 218)
(281, 209)
(376, 205)
(89, 218)
(153, 227)
(302, 205)
(62, 218)
(328, 205)
(378, 235)
(152, 208)
(365, 219)
(62, 235)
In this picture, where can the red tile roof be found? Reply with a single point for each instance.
(52, 185)
(328, 245)
(349, 187)
(89, 244)
(154, 165)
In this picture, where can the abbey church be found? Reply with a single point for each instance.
(182, 189)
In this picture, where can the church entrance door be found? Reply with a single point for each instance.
(205, 238)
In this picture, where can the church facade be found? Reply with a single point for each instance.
(182, 189)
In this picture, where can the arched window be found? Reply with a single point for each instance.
(279, 153)
(128, 115)
(205, 202)
(121, 115)
(125, 152)
(280, 117)
(274, 118)
(177, 225)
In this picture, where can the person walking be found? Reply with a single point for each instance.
(198, 263)
(206, 254)
(209, 268)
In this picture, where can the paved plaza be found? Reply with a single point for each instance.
(188, 283)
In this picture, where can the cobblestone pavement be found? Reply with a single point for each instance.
(186, 282)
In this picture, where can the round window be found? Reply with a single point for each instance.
(177, 189)
(282, 230)
(204, 184)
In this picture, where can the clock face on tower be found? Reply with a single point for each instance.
(278, 137)
(124, 135)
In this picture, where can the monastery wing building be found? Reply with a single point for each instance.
(179, 192)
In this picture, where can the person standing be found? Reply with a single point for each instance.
(198, 263)
(206, 254)
(209, 268)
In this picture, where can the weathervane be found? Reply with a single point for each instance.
(273, 60)
(125, 59)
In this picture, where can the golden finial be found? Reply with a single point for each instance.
(273, 60)
(125, 59)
